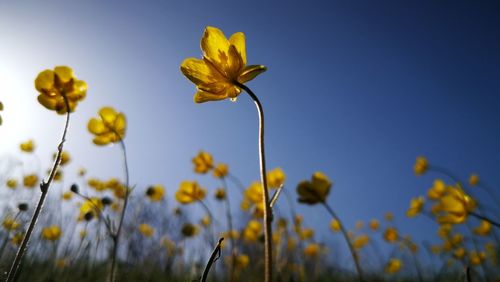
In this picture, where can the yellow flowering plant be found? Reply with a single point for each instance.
(108, 127)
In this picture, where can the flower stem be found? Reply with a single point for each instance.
(497, 224)
(344, 232)
(268, 216)
(44, 187)
(116, 236)
(229, 219)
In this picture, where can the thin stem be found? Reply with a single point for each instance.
(215, 256)
(116, 236)
(346, 236)
(230, 227)
(44, 187)
(268, 216)
(485, 218)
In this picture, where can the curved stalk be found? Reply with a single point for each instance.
(344, 232)
(44, 187)
(268, 216)
(116, 236)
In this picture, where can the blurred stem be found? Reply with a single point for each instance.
(346, 237)
(215, 256)
(44, 187)
(238, 182)
(116, 236)
(230, 227)
(496, 224)
(268, 216)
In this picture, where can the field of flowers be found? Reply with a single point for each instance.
(110, 229)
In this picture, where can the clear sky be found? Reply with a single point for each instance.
(356, 89)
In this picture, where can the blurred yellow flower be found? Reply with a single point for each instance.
(306, 234)
(109, 127)
(276, 178)
(416, 206)
(437, 190)
(291, 244)
(474, 180)
(146, 230)
(221, 170)
(252, 231)
(205, 221)
(314, 191)
(30, 180)
(359, 224)
(17, 238)
(10, 223)
(82, 171)
(312, 250)
(421, 165)
(220, 194)
(253, 197)
(65, 157)
(388, 216)
(391, 235)
(97, 184)
(155, 193)
(189, 230)
(51, 233)
(459, 253)
(54, 84)
(477, 258)
(455, 206)
(222, 67)
(203, 162)
(12, 183)
(436, 249)
(483, 229)
(68, 195)
(242, 261)
(335, 225)
(27, 146)
(361, 241)
(393, 266)
(90, 209)
(189, 192)
(374, 224)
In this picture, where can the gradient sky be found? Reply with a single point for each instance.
(356, 89)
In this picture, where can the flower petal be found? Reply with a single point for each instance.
(44, 82)
(238, 40)
(108, 115)
(215, 46)
(204, 96)
(47, 101)
(198, 71)
(250, 72)
(64, 73)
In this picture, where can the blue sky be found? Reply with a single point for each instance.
(355, 89)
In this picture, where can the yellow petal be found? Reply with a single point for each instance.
(250, 72)
(199, 71)
(102, 139)
(120, 124)
(47, 101)
(44, 82)
(108, 115)
(215, 45)
(204, 96)
(96, 126)
(64, 73)
(238, 40)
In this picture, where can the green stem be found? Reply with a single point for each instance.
(346, 237)
(230, 227)
(268, 217)
(44, 187)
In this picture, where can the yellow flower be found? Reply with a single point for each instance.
(455, 206)
(314, 191)
(252, 231)
(459, 253)
(90, 208)
(54, 84)
(155, 193)
(97, 184)
(306, 233)
(374, 224)
(17, 238)
(220, 194)
(30, 180)
(312, 250)
(393, 266)
(189, 192)
(483, 229)
(109, 127)
(242, 261)
(389, 216)
(221, 170)
(189, 230)
(477, 258)
(12, 183)
(359, 224)
(456, 239)
(391, 235)
(146, 230)
(82, 171)
(416, 206)
(437, 190)
(361, 241)
(65, 157)
(10, 224)
(335, 225)
(291, 244)
(203, 162)
(276, 178)
(27, 146)
(68, 195)
(436, 249)
(474, 180)
(253, 197)
(421, 166)
(223, 66)
(51, 233)
(205, 221)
